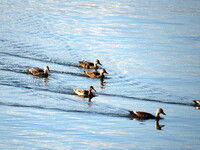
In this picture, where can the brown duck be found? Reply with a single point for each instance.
(145, 115)
(38, 72)
(88, 92)
(95, 74)
(89, 65)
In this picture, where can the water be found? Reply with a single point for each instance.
(149, 48)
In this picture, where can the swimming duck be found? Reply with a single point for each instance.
(145, 115)
(95, 74)
(88, 92)
(38, 72)
(197, 102)
(89, 65)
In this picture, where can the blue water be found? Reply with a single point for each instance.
(149, 48)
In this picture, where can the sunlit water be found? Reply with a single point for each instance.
(150, 49)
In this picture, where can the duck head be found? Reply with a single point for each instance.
(158, 112)
(97, 62)
(46, 69)
(103, 71)
(91, 88)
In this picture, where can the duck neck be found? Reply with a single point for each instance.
(101, 73)
(157, 115)
(101, 76)
(95, 65)
(89, 92)
(45, 71)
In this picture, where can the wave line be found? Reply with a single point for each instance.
(65, 110)
(41, 60)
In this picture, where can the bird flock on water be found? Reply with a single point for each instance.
(88, 93)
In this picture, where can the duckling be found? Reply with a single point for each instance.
(145, 115)
(89, 65)
(88, 92)
(38, 72)
(95, 74)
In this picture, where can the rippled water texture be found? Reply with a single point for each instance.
(151, 50)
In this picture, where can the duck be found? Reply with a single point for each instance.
(95, 74)
(88, 92)
(89, 65)
(145, 115)
(197, 102)
(38, 71)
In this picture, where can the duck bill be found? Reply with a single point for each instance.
(106, 72)
(100, 64)
(94, 90)
(163, 113)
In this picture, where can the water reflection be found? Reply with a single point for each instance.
(102, 83)
(157, 125)
(44, 80)
(89, 98)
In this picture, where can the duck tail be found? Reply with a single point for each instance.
(131, 112)
(195, 101)
(28, 71)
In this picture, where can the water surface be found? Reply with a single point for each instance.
(150, 50)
